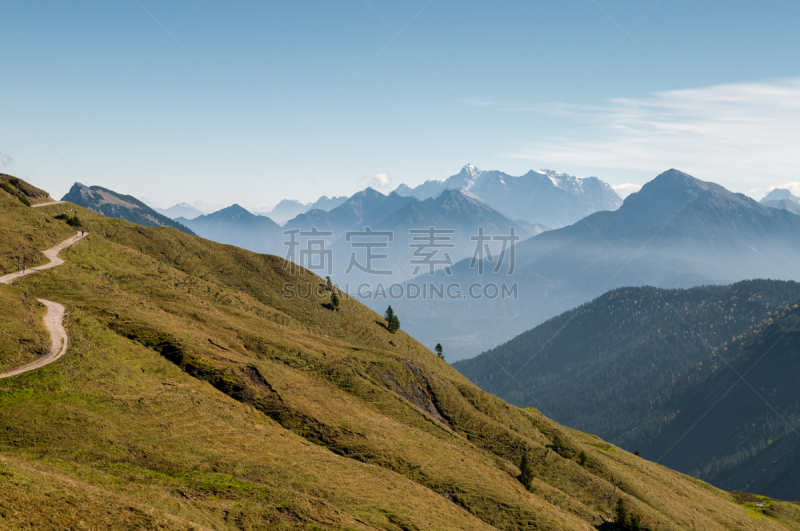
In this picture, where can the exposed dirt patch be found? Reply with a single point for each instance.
(257, 380)
(418, 392)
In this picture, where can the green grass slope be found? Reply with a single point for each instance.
(195, 396)
(25, 192)
(23, 231)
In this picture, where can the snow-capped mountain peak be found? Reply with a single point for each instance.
(547, 197)
(471, 170)
(563, 180)
(466, 178)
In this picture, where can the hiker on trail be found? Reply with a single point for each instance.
(81, 234)
(23, 269)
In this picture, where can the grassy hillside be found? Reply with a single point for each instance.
(195, 396)
(25, 192)
(22, 237)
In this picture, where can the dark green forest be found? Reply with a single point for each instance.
(622, 365)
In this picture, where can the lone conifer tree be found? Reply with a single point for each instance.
(392, 322)
(439, 350)
(526, 477)
(335, 300)
(622, 514)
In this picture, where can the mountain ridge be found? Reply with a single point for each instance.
(545, 197)
(676, 232)
(115, 205)
(180, 210)
(235, 225)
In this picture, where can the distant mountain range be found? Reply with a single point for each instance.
(286, 210)
(326, 203)
(543, 197)
(782, 199)
(181, 210)
(114, 205)
(451, 210)
(648, 369)
(235, 225)
(783, 204)
(779, 194)
(364, 208)
(677, 231)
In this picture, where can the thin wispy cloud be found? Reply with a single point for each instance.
(477, 102)
(744, 132)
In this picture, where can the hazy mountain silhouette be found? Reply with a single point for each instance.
(237, 226)
(783, 204)
(677, 231)
(181, 210)
(286, 210)
(545, 197)
(451, 210)
(326, 203)
(779, 194)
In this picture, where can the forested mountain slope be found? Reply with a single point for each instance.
(603, 366)
(642, 367)
(719, 428)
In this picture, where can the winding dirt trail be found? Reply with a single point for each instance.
(51, 253)
(53, 319)
(58, 337)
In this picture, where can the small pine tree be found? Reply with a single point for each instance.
(439, 350)
(621, 511)
(328, 282)
(526, 469)
(392, 322)
(637, 453)
(335, 300)
(582, 458)
(561, 448)
(635, 523)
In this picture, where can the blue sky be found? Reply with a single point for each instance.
(252, 102)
